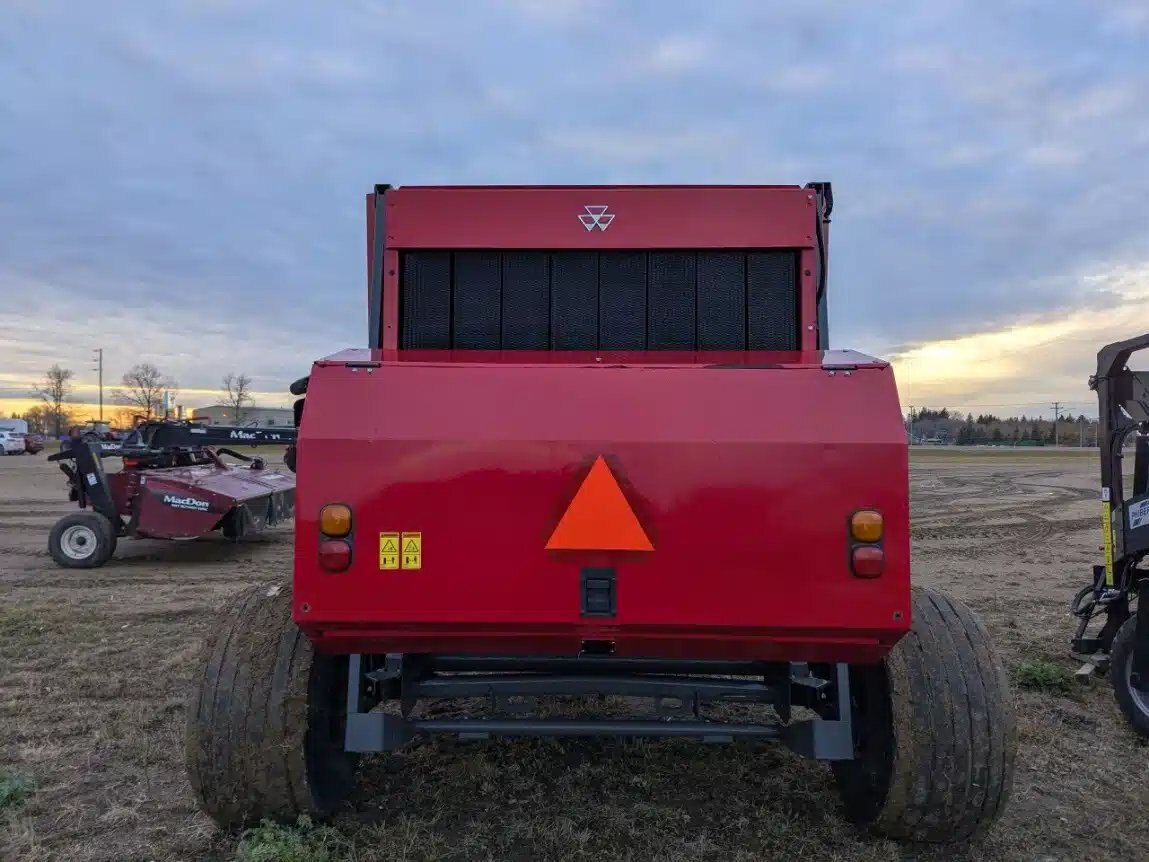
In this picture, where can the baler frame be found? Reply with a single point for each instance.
(678, 689)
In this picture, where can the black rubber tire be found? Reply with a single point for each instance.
(934, 731)
(266, 718)
(102, 549)
(1134, 705)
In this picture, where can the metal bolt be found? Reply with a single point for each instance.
(847, 373)
(897, 615)
(305, 607)
(831, 373)
(810, 327)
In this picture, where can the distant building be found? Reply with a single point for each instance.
(265, 417)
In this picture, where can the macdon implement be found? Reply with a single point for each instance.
(174, 484)
(598, 444)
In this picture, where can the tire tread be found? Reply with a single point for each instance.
(248, 717)
(952, 727)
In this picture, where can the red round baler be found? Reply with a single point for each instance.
(598, 444)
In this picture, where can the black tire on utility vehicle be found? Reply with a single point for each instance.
(1134, 704)
(934, 731)
(82, 540)
(265, 720)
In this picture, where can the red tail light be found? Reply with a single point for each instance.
(334, 555)
(867, 561)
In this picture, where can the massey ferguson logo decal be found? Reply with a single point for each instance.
(186, 503)
(596, 216)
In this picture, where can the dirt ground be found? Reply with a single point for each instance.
(94, 667)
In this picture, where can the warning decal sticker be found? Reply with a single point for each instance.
(1139, 514)
(412, 551)
(388, 550)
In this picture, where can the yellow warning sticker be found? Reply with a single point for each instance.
(389, 550)
(412, 551)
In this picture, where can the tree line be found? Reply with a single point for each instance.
(140, 395)
(949, 426)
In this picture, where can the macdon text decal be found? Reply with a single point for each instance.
(186, 503)
(247, 435)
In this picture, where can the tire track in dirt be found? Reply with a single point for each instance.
(45, 524)
(7, 512)
(1033, 528)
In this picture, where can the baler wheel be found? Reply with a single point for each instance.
(266, 718)
(934, 731)
(1134, 704)
(82, 540)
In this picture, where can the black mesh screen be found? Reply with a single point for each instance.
(609, 300)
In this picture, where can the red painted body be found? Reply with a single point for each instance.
(743, 477)
(743, 469)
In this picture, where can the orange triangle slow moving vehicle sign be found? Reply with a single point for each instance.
(599, 518)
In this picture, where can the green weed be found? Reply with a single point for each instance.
(1040, 675)
(304, 842)
(15, 787)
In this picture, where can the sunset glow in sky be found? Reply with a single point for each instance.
(182, 181)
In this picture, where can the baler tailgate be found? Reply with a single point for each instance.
(649, 505)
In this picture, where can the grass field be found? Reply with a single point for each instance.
(96, 666)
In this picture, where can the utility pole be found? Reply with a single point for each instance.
(911, 423)
(99, 360)
(1081, 426)
(1056, 416)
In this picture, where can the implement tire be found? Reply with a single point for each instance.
(934, 731)
(82, 540)
(266, 718)
(1134, 704)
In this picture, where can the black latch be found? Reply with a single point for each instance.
(598, 593)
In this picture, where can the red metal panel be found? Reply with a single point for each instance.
(651, 217)
(808, 299)
(743, 478)
(618, 217)
(390, 317)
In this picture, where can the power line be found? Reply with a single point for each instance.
(99, 360)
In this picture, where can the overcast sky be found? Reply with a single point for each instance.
(183, 181)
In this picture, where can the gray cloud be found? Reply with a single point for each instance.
(200, 167)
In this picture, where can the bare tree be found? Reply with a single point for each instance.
(123, 418)
(144, 388)
(38, 419)
(236, 393)
(55, 391)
